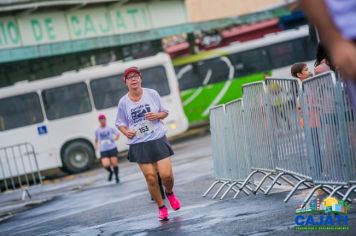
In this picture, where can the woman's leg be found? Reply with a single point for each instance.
(164, 167)
(161, 186)
(161, 189)
(105, 161)
(150, 173)
(114, 163)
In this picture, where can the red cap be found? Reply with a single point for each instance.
(101, 117)
(129, 70)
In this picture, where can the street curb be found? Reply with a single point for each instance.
(30, 204)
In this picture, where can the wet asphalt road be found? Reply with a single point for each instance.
(126, 209)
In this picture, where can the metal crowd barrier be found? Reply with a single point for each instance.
(287, 132)
(228, 145)
(303, 136)
(217, 119)
(237, 147)
(350, 126)
(258, 135)
(19, 168)
(330, 129)
(258, 116)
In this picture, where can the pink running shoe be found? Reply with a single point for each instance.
(174, 201)
(163, 214)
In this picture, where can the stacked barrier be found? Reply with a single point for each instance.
(258, 132)
(302, 135)
(350, 126)
(217, 119)
(226, 164)
(236, 146)
(328, 116)
(274, 139)
(287, 132)
(257, 125)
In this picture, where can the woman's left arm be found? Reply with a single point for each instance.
(162, 112)
(151, 116)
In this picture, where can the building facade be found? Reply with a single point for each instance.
(39, 39)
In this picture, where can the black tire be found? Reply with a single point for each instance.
(77, 156)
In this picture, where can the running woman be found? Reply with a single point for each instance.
(105, 137)
(139, 118)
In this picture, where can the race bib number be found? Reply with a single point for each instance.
(106, 142)
(143, 128)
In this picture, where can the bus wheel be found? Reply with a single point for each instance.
(77, 156)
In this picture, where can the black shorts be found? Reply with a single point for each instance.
(151, 151)
(109, 153)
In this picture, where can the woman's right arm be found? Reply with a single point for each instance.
(96, 145)
(122, 122)
(125, 131)
(96, 141)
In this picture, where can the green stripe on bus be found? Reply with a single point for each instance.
(235, 90)
(195, 108)
(187, 93)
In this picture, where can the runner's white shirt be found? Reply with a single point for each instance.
(132, 115)
(105, 137)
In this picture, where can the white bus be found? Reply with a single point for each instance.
(58, 115)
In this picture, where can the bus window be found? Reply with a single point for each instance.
(249, 62)
(20, 111)
(213, 71)
(66, 101)
(107, 91)
(156, 78)
(304, 50)
(188, 78)
(282, 54)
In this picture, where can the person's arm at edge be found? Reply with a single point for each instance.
(341, 50)
(318, 14)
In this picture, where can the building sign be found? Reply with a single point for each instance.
(34, 29)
